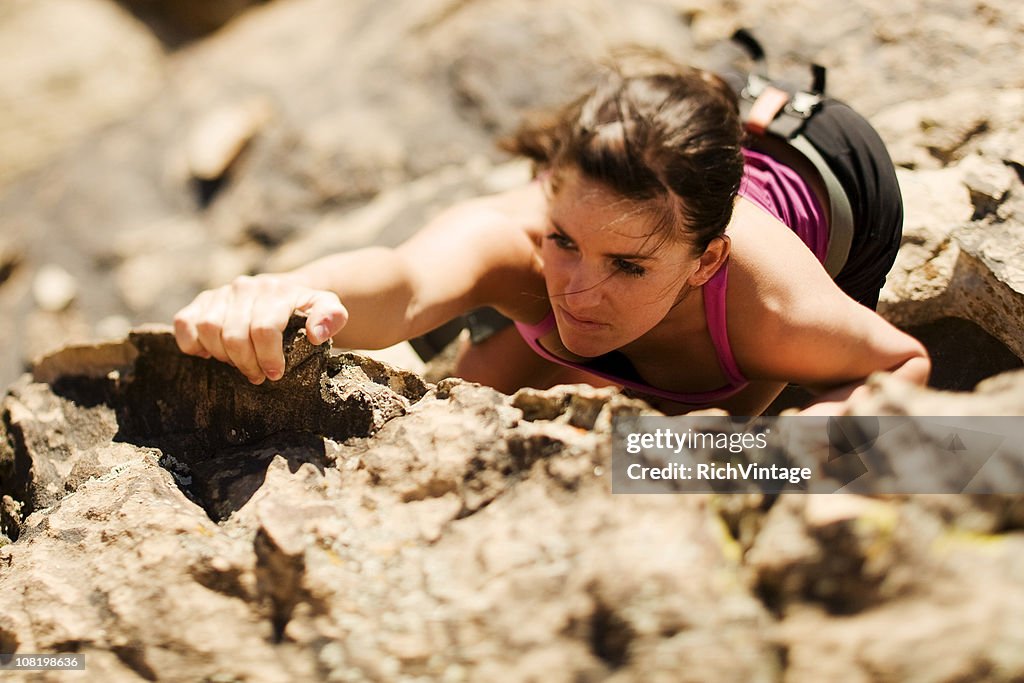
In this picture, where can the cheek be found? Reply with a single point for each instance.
(556, 263)
(642, 307)
(631, 306)
(635, 315)
(648, 295)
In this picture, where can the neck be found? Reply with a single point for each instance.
(662, 341)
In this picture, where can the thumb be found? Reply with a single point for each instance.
(325, 315)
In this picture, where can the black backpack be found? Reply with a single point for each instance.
(770, 107)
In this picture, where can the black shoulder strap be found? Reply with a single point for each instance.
(770, 108)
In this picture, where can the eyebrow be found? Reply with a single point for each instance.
(629, 257)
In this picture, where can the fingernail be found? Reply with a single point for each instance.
(257, 380)
(321, 332)
(274, 374)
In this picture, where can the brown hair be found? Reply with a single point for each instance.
(670, 135)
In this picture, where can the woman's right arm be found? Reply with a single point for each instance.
(473, 254)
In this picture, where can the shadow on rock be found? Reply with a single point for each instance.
(213, 430)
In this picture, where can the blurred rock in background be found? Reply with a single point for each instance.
(275, 132)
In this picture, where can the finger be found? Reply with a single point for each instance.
(185, 333)
(325, 315)
(268, 322)
(235, 334)
(211, 321)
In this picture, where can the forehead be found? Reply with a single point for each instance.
(589, 210)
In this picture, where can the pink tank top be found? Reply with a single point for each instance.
(785, 195)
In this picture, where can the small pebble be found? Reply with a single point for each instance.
(54, 288)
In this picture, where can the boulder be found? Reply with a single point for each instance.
(70, 67)
(354, 522)
(962, 248)
(171, 521)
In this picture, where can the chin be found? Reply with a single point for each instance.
(584, 345)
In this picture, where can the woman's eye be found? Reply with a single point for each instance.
(561, 241)
(629, 268)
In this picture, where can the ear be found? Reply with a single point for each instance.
(710, 261)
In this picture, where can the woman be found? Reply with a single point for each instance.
(652, 251)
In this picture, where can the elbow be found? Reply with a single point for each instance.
(916, 368)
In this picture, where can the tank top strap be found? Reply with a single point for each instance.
(714, 312)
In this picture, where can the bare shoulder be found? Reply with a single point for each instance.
(787, 319)
(486, 248)
(494, 225)
(770, 270)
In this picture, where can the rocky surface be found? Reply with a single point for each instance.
(353, 522)
(173, 522)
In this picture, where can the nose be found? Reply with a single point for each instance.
(583, 290)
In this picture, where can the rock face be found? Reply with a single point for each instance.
(964, 232)
(55, 91)
(173, 522)
(352, 522)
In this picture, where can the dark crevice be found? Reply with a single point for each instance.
(1017, 168)
(466, 511)
(228, 582)
(986, 206)
(227, 481)
(67, 646)
(837, 582)
(176, 24)
(133, 656)
(7, 269)
(266, 236)
(85, 392)
(206, 190)
(215, 432)
(280, 574)
(948, 155)
(770, 595)
(610, 636)
(7, 453)
(8, 645)
(954, 370)
(782, 655)
(522, 453)
(15, 481)
(224, 481)
(278, 623)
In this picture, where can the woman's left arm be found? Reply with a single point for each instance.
(809, 332)
(789, 322)
(830, 344)
(914, 369)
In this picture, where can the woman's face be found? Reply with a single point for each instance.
(610, 278)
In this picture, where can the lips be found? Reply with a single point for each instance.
(581, 322)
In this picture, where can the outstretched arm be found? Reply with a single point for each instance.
(915, 369)
(789, 323)
(473, 254)
(830, 344)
